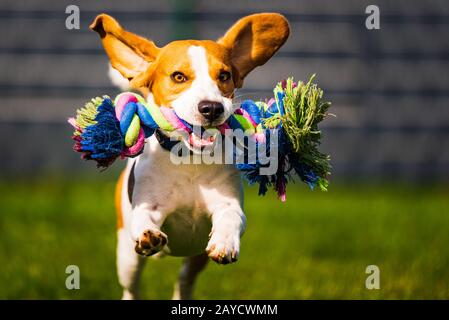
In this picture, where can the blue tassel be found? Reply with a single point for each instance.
(251, 172)
(103, 141)
(304, 172)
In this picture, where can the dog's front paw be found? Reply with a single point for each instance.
(223, 250)
(150, 242)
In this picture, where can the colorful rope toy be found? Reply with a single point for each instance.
(106, 130)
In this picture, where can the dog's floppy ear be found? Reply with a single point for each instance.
(130, 54)
(253, 40)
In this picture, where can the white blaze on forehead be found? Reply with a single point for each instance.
(199, 60)
(203, 88)
(203, 80)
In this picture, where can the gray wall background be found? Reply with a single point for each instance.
(389, 87)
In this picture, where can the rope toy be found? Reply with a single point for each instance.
(106, 130)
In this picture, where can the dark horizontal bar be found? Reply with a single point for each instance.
(359, 19)
(392, 168)
(51, 51)
(401, 129)
(401, 56)
(332, 55)
(10, 89)
(43, 90)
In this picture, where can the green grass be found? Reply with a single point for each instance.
(315, 246)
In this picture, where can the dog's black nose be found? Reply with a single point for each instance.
(210, 110)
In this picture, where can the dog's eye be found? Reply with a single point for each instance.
(178, 77)
(224, 76)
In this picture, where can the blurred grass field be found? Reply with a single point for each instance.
(315, 246)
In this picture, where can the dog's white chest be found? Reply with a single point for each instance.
(185, 195)
(188, 231)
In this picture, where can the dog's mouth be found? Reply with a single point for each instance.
(201, 142)
(200, 137)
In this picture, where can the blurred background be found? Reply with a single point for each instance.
(388, 201)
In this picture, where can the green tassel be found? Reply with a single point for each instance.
(304, 108)
(86, 116)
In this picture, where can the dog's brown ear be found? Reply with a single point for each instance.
(253, 40)
(130, 54)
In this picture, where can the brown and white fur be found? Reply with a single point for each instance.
(187, 210)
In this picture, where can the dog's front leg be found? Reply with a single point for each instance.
(152, 200)
(228, 225)
(146, 222)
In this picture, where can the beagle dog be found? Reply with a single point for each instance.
(187, 210)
